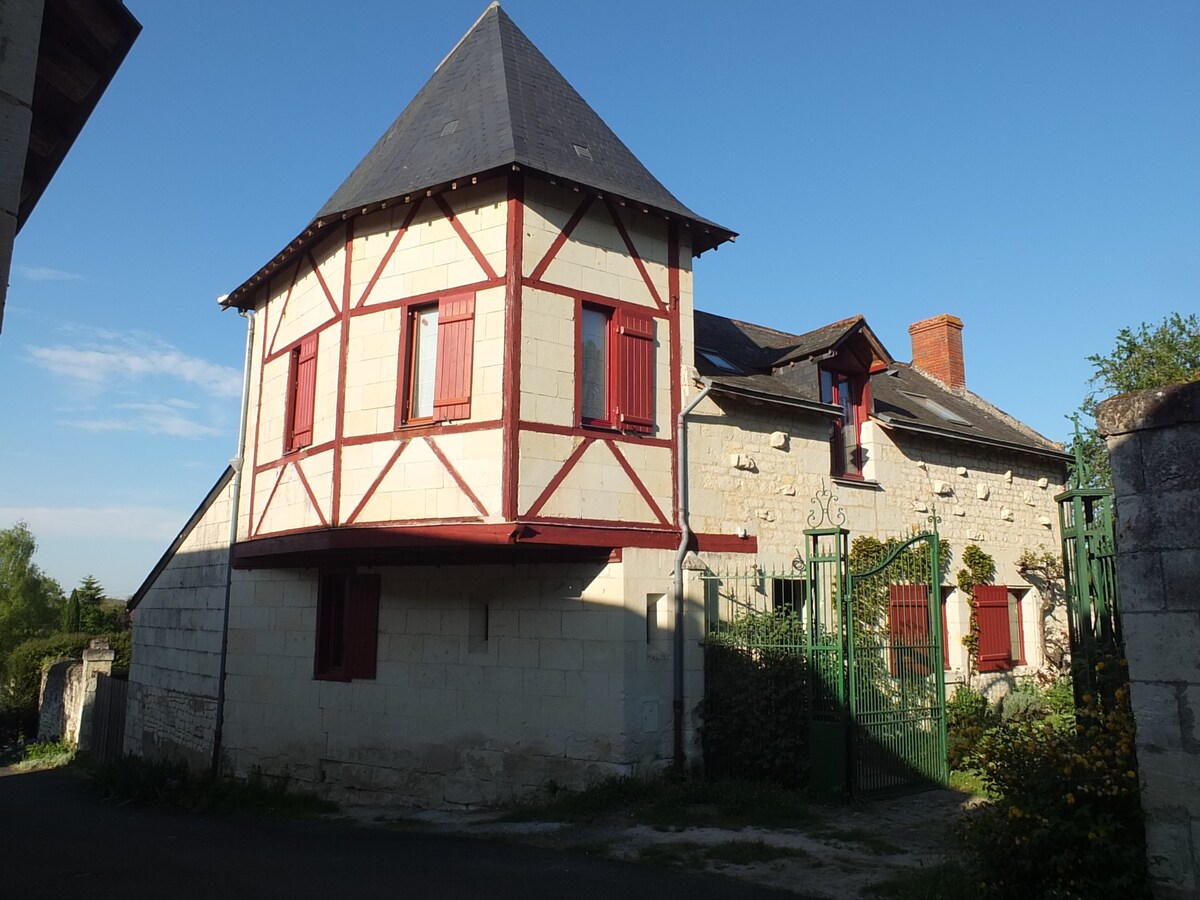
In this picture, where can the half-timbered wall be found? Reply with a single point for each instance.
(367, 462)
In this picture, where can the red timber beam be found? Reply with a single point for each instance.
(673, 291)
(466, 238)
(514, 278)
(560, 239)
(559, 476)
(638, 483)
(286, 300)
(262, 363)
(454, 473)
(637, 259)
(333, 304)
(339, 423)
(389, 252)
(312, 498)
(366, 498)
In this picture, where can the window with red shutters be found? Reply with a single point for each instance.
(616, 368)
(302, 395)
(908, 629)
(438, 362)
(851, 392)
(995, 614)
(347, 627)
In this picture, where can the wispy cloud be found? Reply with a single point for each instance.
(44, 273)
(150, 418)
(133, 522)
(133, 358)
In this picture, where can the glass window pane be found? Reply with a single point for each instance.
(595, 364)
(424, 362)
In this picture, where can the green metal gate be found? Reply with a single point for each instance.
(871, 655)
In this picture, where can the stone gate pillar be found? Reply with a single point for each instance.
(1153, 440)
(97, 658)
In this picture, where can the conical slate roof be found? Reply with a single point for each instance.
(496, 101)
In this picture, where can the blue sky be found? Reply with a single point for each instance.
(1031, 167)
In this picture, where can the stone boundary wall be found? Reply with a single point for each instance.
(68, 694)
(1152, 439)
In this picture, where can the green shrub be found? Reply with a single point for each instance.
(23, 672)
(968, 716)
(1068, 822)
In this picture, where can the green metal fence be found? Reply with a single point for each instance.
(822, 675)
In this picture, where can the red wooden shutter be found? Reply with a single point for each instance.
(991, 611)
(456, 341)
(362, 626)
(908, 629)
(305, 387)
(635, 371)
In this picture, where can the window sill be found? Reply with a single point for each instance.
(848, 481)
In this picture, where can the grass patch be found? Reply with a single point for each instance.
(674, 855)
(969, 781)
(669, 803)
(141, 781)
(745, 853)
(46, 755)
(944, 881)
(868, 840)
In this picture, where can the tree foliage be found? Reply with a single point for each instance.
(1147, 357)
(30, 601)
(89, 611)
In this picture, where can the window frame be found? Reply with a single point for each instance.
(300, 404)
(630, 362)
(347, 607)
(834, 382)
(452, 360)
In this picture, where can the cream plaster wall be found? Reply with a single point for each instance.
(171, 710)
(566, 687)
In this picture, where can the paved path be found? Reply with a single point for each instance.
(58, 840)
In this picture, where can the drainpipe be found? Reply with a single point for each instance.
(234, 501)
(685, 536)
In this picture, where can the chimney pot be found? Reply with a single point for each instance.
(937, 349)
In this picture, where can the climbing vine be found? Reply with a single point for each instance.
(978, 568)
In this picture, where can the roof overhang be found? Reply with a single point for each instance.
(890, 422)
(705, 235)
(748, 393)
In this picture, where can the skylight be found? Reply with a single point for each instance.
(936, 408)
(718, 360)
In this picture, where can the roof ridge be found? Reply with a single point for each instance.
(495, 4)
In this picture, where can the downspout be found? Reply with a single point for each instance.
(234, 502)
(685, 537)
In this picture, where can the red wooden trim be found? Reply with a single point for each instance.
(587, 431)
(577, 412)
(292, 345)
(257, 420)
(311, 496)
(637, 260)
(455, 357)
(637, 483)
(339, 424)
(561, 238)
(414, 431)
(562, 473)
(725, 543)
(598, 532)
(286, 299)
(387, 254)
(270, 497)
(597, 299)
(466, 238)
(458, 479)
(321, 278)
(366, 498)
(303, 453)
(634, 365)
(427, 297)
(676, 337)
(1019, 650)
(511, 410)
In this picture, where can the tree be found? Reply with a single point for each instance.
(1152, 356)
(30, 602)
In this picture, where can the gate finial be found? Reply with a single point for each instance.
(820, 515)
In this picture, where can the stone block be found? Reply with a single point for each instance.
(1140, 581)
(1162, 646)
(1180, 584)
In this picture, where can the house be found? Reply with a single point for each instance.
(59, 59)
(444, 566)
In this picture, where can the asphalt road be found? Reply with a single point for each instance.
(58, 840)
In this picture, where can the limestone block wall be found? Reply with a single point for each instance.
(565, 683)
(177, 645)
(1152, 438)
(1001, 500)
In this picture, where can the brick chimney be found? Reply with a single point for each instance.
(937, 349)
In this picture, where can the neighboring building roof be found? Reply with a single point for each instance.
(494, 102)
(776, 367)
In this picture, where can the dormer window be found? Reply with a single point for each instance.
(852, 393)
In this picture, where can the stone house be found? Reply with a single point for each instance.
(444, 568)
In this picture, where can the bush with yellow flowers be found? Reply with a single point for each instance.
(1067, 822)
